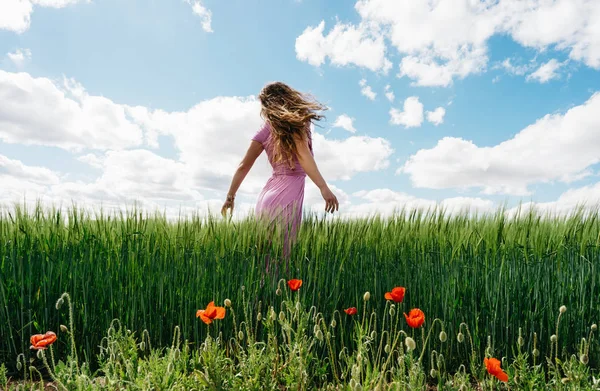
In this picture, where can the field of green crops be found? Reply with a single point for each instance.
(493, 273)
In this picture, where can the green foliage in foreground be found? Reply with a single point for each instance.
(299, 353)
(493, 273)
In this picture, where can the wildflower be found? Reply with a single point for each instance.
(367, 296)
(494, 369)
(211, 313)
(415, 318)
(351, 311)
(460, 337)
(278, 292)
(42, 341)
(553, 338)
(410, 343)
(562, 309)
(397, 294)
(294, 284)
(443, 336)
(227, 303)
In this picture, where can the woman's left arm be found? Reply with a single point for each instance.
(253, 152)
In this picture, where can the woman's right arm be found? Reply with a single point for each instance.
(308, 164)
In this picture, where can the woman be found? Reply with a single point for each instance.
(286, 137)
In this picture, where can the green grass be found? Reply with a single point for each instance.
(492, 273)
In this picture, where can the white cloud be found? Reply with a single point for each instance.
(15, 15)
(411, 116)
(513, 69)
(366, 90)
(436, 116)
(566, 146)
(345, 122)
(546, 72)
(65, 116)
(19, 57)
(205, 14)
(344, 45)
(444, 40)
(92, 160)
(389, 94)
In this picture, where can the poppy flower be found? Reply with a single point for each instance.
(42, 341)
(211, 313)
(351, 311)
(294, 284)
(397, 294)
(415, 318)
(494, 369)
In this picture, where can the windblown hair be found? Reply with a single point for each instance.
(289, 112)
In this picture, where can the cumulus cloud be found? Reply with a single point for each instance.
(566, 146)
(15, 15)
(389, 94)
(546, 72)
(366, 90)
(436, 116)
(443, 40)
(411, 115)
(344, 45)
(345, 122)
(203, 13)
(19, 57)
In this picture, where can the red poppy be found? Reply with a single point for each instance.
(211, 313)
(415, 318)
(42, 341)
(351, 311)
(494, 369)
(294, 284)
(397, 294)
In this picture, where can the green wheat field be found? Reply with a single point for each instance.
(504, 279)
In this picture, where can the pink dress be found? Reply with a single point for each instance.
(280, 201)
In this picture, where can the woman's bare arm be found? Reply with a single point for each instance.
(253, 152)
(308, 164)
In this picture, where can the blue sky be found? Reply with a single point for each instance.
(106, 102)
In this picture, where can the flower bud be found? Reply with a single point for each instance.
(278, 292)
(142, 346)
(315, 329)
(63, 328)
(520, 341)
(594, 327)
(298, 306)
(373, 334)
(352, 383)
(39, 354)
(281, 316)
(433, 372)
(460, 338)
(443, 336)
(584, 359)
(367, 296)
(19, 365)
(227, 303)
(333, 323)
(259, 317)
(562, 309)
(392, 311)
(241, 335)
(387, 349)
(535, 352)
(410, 343)
(243, 288)
(273, 315)
(328, 335)
(59, 303)
(319, 335)
(553, 338)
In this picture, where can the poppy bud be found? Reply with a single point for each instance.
(59, 303)
(553, 338)
(281, 316)
(328, 335)
(373, 334)
(433, 372)
(410, 343)
(243, 288)
(39, 354)
(584, 359)
(19, 365)
(63, 328)
(273, 316)
(142, 346)
(241, 335)
(562, 309)
(333, 323)
(392, 311)
(227, 303)
(460, 338)
(536, 352)
(259, 317)
(319, 335)
(564, 380)
(315, 329)
(298, 306)
(594, 327)
(352, 383)
(367, 296)
(443, 336)
(387, 349)
(521, 341)
(278, 292)
(358, 387)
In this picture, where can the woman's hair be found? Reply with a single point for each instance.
(289, 113)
